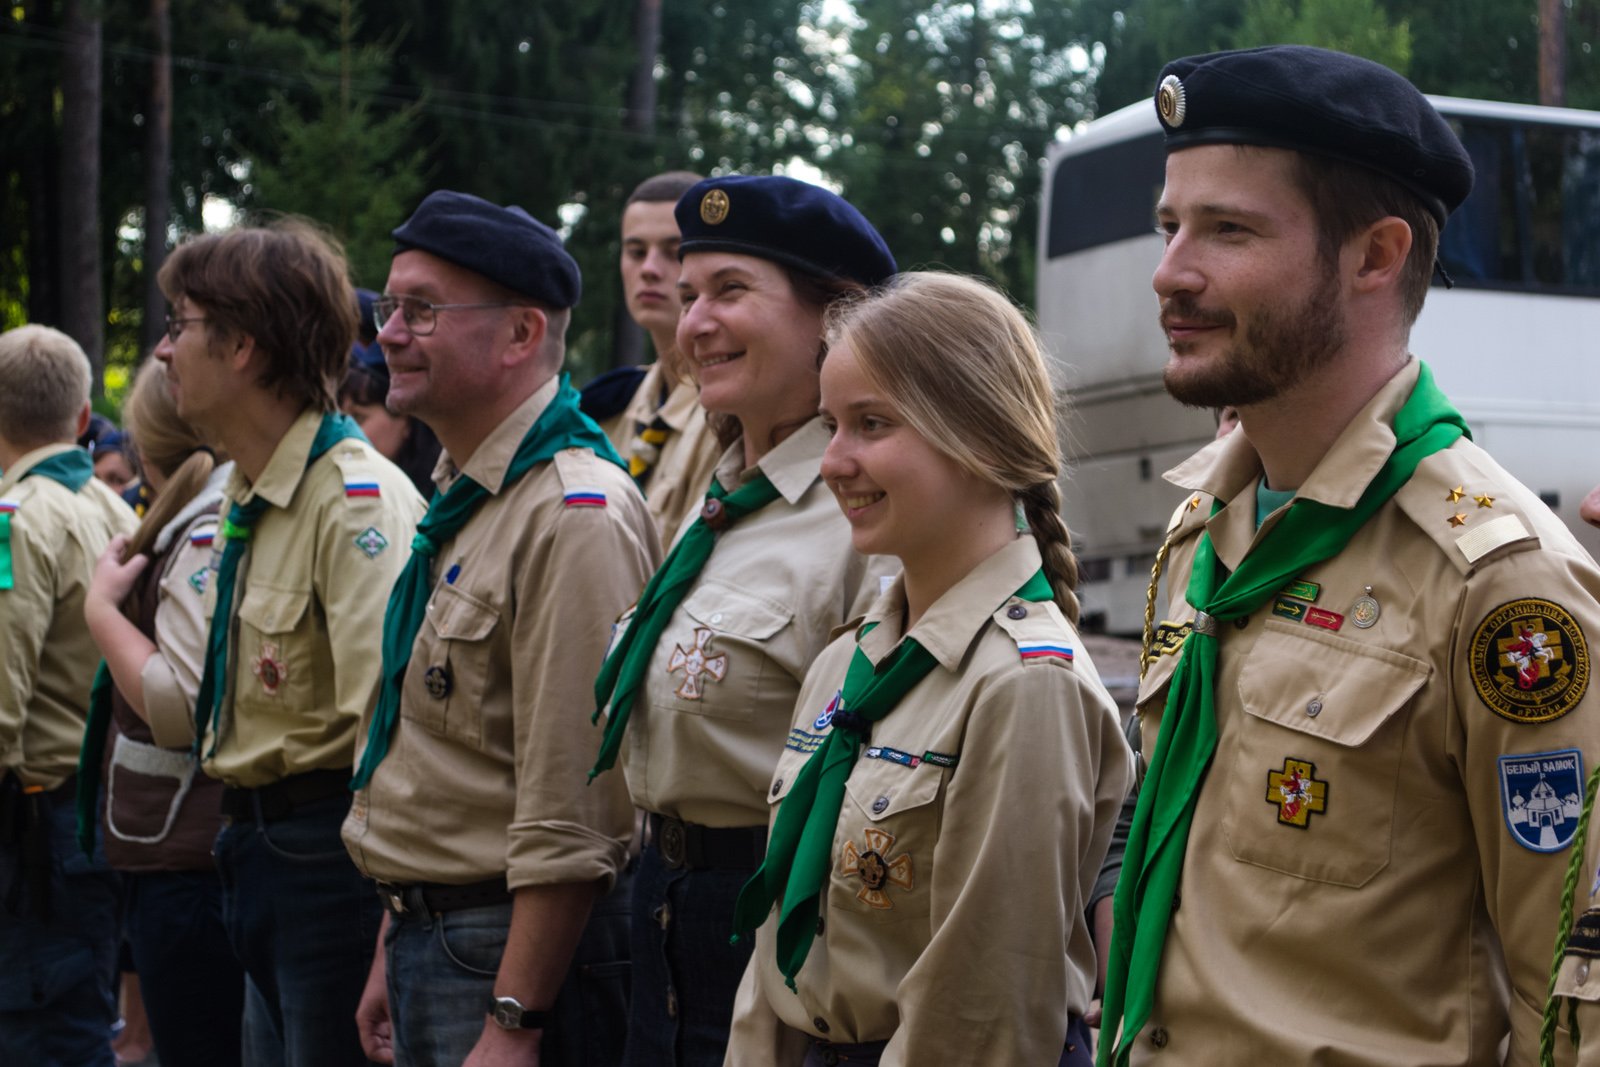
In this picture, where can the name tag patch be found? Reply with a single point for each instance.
(1541, 794)
(804, 741)
(894, 755)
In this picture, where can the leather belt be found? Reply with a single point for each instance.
(281, 798)
(434, 897)
(686, 844)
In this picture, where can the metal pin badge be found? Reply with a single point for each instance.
(1365, 611)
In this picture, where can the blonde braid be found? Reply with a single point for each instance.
(1042, 505)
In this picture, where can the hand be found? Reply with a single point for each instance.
(372, 1013)
(505, 1048)
(113, 579)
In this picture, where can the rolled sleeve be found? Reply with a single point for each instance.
(171, 677)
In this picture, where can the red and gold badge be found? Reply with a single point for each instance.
(1530, 662)
(270, 669)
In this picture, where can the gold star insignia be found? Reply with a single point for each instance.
(1458, 519)
(1455, 494)
(1484, 500)
(1194, 502)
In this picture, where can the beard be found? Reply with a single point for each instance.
(1279, 348)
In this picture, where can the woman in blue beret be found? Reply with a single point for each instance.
(699, 687)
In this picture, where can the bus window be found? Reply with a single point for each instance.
(1097, 198)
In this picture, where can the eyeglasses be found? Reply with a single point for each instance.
(175, 326)
(420, 316)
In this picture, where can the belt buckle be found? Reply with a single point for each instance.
(672, 842)
(393, 896)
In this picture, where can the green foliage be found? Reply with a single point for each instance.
(1359, 27)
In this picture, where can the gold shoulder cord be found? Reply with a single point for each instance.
(1145, 651)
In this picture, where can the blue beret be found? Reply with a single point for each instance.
(787, 221)
(504, 244)
(1317, 101)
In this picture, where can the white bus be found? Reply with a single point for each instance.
(1516, 343)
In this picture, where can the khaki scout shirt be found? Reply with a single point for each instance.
(1378, 850)
(47, 658)
(304, 648)
(972, 831)
(487, 769)
(682, 473)
(709, 722)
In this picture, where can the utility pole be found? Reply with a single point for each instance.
(1553, 53)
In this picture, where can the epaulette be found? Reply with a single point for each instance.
(358, 472)
(1190, 514)
(581, 487)
(1469, 505)
(1041, 634)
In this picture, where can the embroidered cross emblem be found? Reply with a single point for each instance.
(1297, 793)
(270, 669)
(696, 662)
(875, 867)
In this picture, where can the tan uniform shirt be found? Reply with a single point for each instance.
(682, 472)
(971, 833)
(304, 649)
(487, 770)
(1379, 845)
(710, 718)
(47, 658)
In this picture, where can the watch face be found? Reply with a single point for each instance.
(507, 1013)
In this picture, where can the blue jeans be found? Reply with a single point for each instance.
(441, 971)
(58, 972)
(685, 973)
(192, 983)
(304, 924)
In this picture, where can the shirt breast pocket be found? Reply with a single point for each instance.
(275, 650)
(723, 663)
(1312, 786)
(449, 670)
(883, 845)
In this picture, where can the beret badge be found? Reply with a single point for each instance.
(1171, 100)
(714, 207)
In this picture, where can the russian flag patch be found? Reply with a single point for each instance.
(8, 506)
(202, 538)
(1043, 650)
(585, 497)
(361, 489)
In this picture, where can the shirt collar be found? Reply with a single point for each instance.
(491, 460)
(792, 467)
(953, 622)
(13, 474)
(285, 469)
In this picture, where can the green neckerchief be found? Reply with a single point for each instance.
(90, 756)
(1269, 500)
(71, 469)
(623, 670)
(236, 529)
(560, 426)
(800, 848)
(1308, 533)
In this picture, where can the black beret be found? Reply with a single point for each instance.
(1317, 101)
(504, 244)
(784, 220)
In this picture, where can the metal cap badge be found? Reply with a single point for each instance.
(714, 207)
(1171, 101)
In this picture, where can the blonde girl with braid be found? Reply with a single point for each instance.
(983, 765)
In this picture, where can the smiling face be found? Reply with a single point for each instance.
(1249, 305)
(902, 496)
(749, 340)
(650, 265)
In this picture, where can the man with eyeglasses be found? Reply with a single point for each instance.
(317, 526)
(472, 812)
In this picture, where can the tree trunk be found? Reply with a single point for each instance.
(82, 297)
(630, 346)
(157, 175)
(1552, 53)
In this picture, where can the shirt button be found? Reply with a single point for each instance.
(1583, 971)
(1016, 611)
(777, 787)
(716, 618)
(1241, 622)
(879, 805)
(821, 1024)
(1314, 708)
(1158, 1037)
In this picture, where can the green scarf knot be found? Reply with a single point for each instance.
(1309, 533)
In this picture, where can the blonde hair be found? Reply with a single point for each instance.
(170, 445)
(44, 383)
(966, 369)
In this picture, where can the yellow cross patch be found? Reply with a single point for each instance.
(1297, 793)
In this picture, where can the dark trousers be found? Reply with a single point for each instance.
(685, 973)
(304, 924)
(192, 982)
(58, 947)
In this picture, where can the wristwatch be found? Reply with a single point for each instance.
(509, 1014)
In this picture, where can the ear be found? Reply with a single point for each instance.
(1382, 248)
(529, 326)
(83, 420)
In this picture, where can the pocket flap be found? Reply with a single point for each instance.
(1324, 685)
(455, 616)
(273, 611)
(882, 789)
(736, 611)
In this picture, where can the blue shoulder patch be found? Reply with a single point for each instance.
(1541, 794)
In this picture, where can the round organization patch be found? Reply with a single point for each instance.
(1530, 662)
